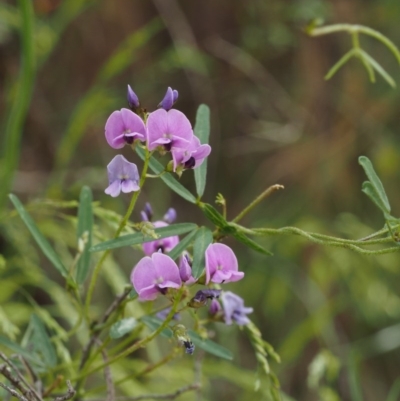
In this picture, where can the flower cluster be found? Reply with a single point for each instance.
(164, 130)
(157, 274)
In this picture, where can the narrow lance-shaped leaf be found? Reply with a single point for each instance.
(29, 355)
(84, 233)
(183, 244)
(170, 181)
(250, 243)
(42, 341)
(204, 237)
(42, 242)
(210, 346)
(376, 184)
(139, 238)
(202, 131)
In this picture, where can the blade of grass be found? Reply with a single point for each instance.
(21, 101)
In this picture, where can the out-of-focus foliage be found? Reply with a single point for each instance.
(332, 314)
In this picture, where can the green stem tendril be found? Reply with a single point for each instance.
(257, 200)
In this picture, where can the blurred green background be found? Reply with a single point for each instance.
(274, 120)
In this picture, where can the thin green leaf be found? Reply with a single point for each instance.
(29, 355)
(170, 181)
(378, 68)
(122, 327)
(85, 226)
(213, 215)
(153, 323)
(250, 243)
(336, 67)
(38, 236)
(133, 294)
(202, 131)
(11, 142)
(369, 190)
(204, 237)
(183, 244)
(354, 379)
(375, 182)
(139, 238)
(210, 346)
(42, 341)
(368, 67)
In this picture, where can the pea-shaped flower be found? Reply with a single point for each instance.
(168, 129)
(234, 309)
(192, 156)
(154, 275)
(221, 264)
(124, 127)
(122, 176)
(163, 245)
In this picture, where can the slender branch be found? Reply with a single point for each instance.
(16, 382)
(141, 343)
(107, 376)
(69, 394)
(13, 392)
(20, 376)
(256, 201)
(114, 305)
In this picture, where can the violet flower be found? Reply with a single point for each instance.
(122, 176)
(147, 213)
(202, 296)
(168, 129)
(215, 307)
(154, 275)
(133, 100)
(164, 245)
(191, 156)
(124, 127)
(221, 264)
(171, 96)
(185, 269)
(234, 309)
(170, 216)
(162, 315)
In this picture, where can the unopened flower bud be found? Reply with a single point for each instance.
(133, 100)
(169, 99)
(170, 216)
(215, 307)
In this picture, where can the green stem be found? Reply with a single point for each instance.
(256, 201)
(122, 225)
(144, 341)
(20, 105)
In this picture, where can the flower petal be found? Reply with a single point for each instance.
(144, 274)
(129, 186)
(157, 126)
(114, 128)
(114, 189)
(133, 123)
(166, 268)
(149, 293)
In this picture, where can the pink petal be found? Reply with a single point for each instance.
(143, 274)
(166, 268)
(179, 125)
(149, 293)
(133, 123)
(157, 126)
(114, 128)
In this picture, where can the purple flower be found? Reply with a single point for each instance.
(221, 264)
(192, 156)
(154, 275)
(122, 176)
(202, 296)
(169, 129)
(169, 99)
(234, 309)
(185, 269)
(170, 216)
(164, 245)
(215, 307)
(124, 127)
(147, 213)
(133, 100)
